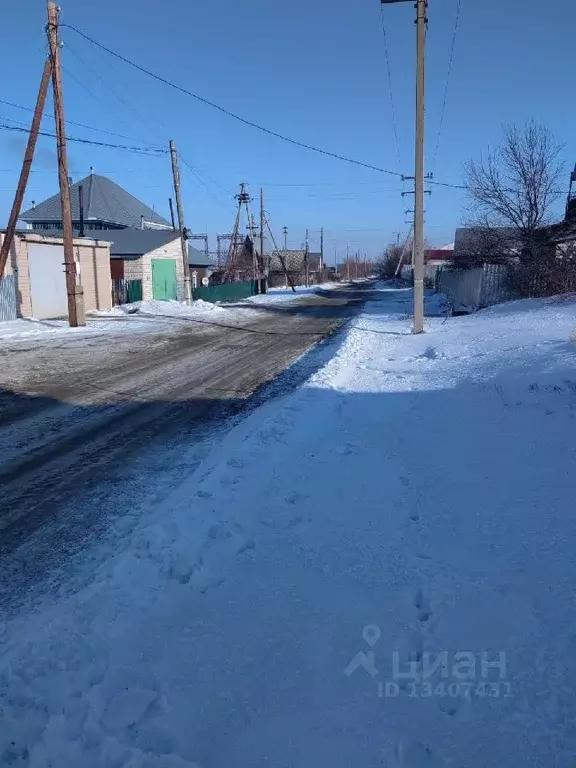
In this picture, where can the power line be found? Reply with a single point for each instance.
(118, 98)
(387, 53)
(150, 151)
(225, 111)
(69, 122)
(450, 66)
(197, 176)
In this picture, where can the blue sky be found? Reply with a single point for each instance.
(315, 71)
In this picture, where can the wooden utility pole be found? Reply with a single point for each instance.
(26, 166)
(321, 249)
(73, 289)
(171, 205)
(181, 226)
(263, 266)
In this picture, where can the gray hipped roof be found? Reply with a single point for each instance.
(104, 200)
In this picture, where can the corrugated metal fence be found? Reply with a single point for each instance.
(8, 298)
(227, 291)
(469, 290)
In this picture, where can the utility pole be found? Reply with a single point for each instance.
(263, 266)
(180, 211)
(321, 249)
(307, 259)
(348, 263)
(74, 291)
(26, 166)
(421, 24)
(170, 203)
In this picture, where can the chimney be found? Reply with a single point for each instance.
(141, 222)
(91, 170)
(81, 205)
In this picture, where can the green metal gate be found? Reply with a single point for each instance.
(164, 282)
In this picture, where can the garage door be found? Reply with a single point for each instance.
(164, 283)
(47, 280)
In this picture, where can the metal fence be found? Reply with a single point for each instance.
(469, 290)
(126, 291)
(8, 298)
(227, 291)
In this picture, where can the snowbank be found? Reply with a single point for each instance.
(375, 570)
(40, 330)
(274, 295)
(161, 308)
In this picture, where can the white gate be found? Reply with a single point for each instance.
(47, 280)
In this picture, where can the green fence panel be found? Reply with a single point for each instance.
(133, 291)
(227, 291)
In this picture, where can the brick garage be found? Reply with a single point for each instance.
(33, 257)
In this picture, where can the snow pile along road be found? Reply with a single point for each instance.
(376, 570)
(161, 308)
(275, 295)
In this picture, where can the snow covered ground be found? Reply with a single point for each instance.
(139, 316)
(274, 295)
(375, 570)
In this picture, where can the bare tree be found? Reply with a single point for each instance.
(388, 261)
(515, 184)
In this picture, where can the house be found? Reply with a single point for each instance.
(106, 206)
(297, 265)
(35, 282)
(147, 264)
(145, 251)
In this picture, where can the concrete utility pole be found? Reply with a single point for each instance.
(285, 233)
(26, 166)
(263, 266)
(180, 211)
(421, 24)
(421, 21)
(307, 259)
(74, 291)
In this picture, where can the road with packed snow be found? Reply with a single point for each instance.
(93, 423)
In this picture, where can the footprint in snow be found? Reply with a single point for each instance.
(413, 755)
(127, 708)
(422, 605)
(295, 497)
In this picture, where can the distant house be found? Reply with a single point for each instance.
(107, 206)
(297, 265)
